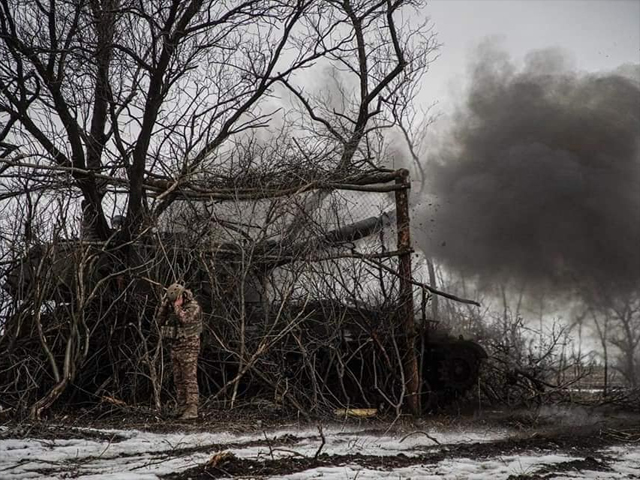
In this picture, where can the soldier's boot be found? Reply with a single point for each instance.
(190, 412)
(179, 410)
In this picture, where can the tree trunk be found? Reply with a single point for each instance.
(45, 402)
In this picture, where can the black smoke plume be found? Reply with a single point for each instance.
(540, 180)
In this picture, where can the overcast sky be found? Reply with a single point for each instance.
(597, 34)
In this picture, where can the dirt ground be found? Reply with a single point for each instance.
(577, 432)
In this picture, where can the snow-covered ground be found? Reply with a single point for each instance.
(139, 455)
(627, 467)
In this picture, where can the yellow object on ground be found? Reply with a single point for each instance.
(357, 412)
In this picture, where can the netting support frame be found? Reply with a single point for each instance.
(406, 307)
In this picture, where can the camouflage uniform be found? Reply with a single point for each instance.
(181, 330)
(88, 232)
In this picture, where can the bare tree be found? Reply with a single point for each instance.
(615, 313)
(138, 97)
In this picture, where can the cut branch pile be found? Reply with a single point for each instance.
(302, 322)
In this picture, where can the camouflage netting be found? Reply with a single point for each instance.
(298, 292)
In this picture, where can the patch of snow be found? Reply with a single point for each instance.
(351, 442)
(139, 455)
(120, 476)
(627, 460)
(145, 452)
(462, 468)
(498, 468)
(145, 455)
(354, 471)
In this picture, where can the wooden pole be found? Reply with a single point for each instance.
(406, 310)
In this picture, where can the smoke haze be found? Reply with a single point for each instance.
(540, 180)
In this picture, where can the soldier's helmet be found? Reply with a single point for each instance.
(174, 291)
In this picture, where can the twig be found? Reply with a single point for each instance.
(268, 444)
(420, 433)
(370, 259)
(321, 444)
(286, 450)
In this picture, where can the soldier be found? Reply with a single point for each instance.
(180, 318)
(88, 232)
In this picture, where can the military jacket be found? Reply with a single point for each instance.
(185, 321)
